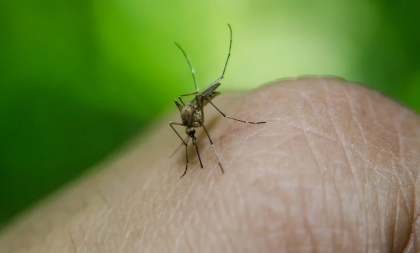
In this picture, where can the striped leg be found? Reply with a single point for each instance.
(211, 142)
(178, 124)
(243, 121)
(186, 165)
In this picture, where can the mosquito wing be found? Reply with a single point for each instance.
(207, 94)
(208, 90)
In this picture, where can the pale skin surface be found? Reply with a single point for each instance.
(334, 169)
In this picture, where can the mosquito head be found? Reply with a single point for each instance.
(191, 132)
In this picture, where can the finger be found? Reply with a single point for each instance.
(336, 161)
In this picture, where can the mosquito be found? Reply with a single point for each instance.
(192, 113)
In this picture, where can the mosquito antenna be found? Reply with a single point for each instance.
(191, 67)
(182, 143)
(230, 47)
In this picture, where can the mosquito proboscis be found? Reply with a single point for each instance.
(192, 113)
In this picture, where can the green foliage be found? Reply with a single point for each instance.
(80, 78)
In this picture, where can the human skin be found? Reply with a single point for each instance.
(334, 169)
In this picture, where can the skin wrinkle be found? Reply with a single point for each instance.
(399, 237)
(341, 215)
(288, 243)
(293, 213)
(400, 136)
(127, 234)
(174, 211)
(416, 226)
(340, 207)
(89, 229)
(147, 221)
(371, 109)
(241, 127)
(395, 216)
(353, 118)
(366, 162)
(242, 205)
(400, 187)
(72, 242)
(322, 182)
(380, 209)
(205, 228)
(412, 246)
(305, 218)
(243, 138)
(408, 177)
(311, 131)
(402, 161)
(106, 238)
(324, 83)
(242, 148)
(84, 236)
(412, 176)
(99, 236)
(379, 217)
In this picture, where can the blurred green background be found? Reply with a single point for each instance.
(80, 78)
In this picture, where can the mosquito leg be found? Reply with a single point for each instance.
(182, 143)
(243, 121)
(211, 142)
(185, 95)
(178, 105)
(198, 153)
(178, 124)
(224, 69)
(180, 99)
(189, 94)
(186, 165)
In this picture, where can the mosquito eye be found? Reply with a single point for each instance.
(193, 131)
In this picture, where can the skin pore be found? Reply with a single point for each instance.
(334, 169)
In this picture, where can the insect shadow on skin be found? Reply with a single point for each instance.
(192, 114)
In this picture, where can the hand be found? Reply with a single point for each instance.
(334, 169)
